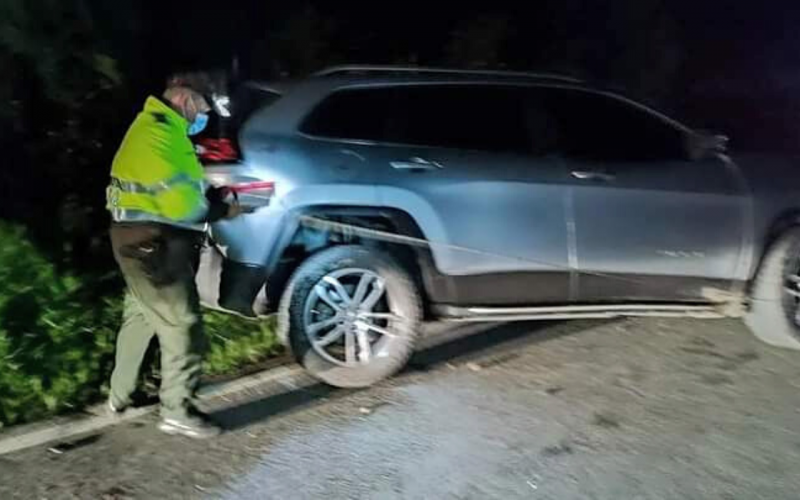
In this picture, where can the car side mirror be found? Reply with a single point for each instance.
(704, 145)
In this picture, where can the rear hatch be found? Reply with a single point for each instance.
(222, 282)
(218, 143)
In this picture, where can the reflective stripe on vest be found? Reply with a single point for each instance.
(135, 187)
(125, 215)
(179, 199)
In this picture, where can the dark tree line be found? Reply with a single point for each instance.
(74, 73)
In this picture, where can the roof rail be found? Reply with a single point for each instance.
(342, 70)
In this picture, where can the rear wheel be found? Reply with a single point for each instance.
(351, 316)
(774, 315)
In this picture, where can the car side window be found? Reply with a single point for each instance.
(468, 117)
(597, 127)
(353, 114)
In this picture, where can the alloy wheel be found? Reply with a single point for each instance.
(348, 318)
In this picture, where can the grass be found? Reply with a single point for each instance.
(236, 343)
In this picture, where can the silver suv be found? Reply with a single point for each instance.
(390, 195)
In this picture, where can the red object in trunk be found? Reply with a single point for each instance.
(218, 150)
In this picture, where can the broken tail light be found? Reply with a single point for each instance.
(255, 194)
(256, 187)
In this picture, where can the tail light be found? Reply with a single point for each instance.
(256, 194)
(256, 187)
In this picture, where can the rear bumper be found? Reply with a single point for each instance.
(231, 286)
(239, 288)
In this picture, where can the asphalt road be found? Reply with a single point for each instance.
(638, 409)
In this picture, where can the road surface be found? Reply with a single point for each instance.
(636, 409)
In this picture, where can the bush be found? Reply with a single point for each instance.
(54, 350)
(57, 333)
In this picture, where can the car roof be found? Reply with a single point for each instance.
(301, 96)
(279, 87)
(360, 73)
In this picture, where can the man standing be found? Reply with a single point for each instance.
(159, 208)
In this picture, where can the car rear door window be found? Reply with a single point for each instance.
(469, 117)
(353, 114)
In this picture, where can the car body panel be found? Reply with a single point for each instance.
(677, 220)
(468, 195)
(774, 182)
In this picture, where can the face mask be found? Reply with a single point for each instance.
(199, 123)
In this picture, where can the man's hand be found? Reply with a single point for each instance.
(235, 209)
(220, 208)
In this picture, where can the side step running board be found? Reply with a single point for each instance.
(502, 314)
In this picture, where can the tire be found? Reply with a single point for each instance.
(302, 309)
(773, 315)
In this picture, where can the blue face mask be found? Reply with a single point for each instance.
(199, 123)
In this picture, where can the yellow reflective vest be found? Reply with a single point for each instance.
(156, 175)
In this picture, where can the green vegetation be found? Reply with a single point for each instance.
(236, 343)
(54, 350)
(57, 334)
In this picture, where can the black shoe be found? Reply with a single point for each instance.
(193, 424)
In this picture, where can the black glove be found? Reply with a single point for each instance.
(217, 207)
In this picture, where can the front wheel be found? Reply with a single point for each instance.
(351, 316)
(774, 315)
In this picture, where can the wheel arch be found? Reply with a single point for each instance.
(298, 240)
(785, 221)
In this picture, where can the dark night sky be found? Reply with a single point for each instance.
(746, 39)
(739, 57)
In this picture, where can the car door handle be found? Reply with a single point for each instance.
(416, 164)
(588, 175)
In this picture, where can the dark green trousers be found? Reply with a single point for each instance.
(159, 263)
